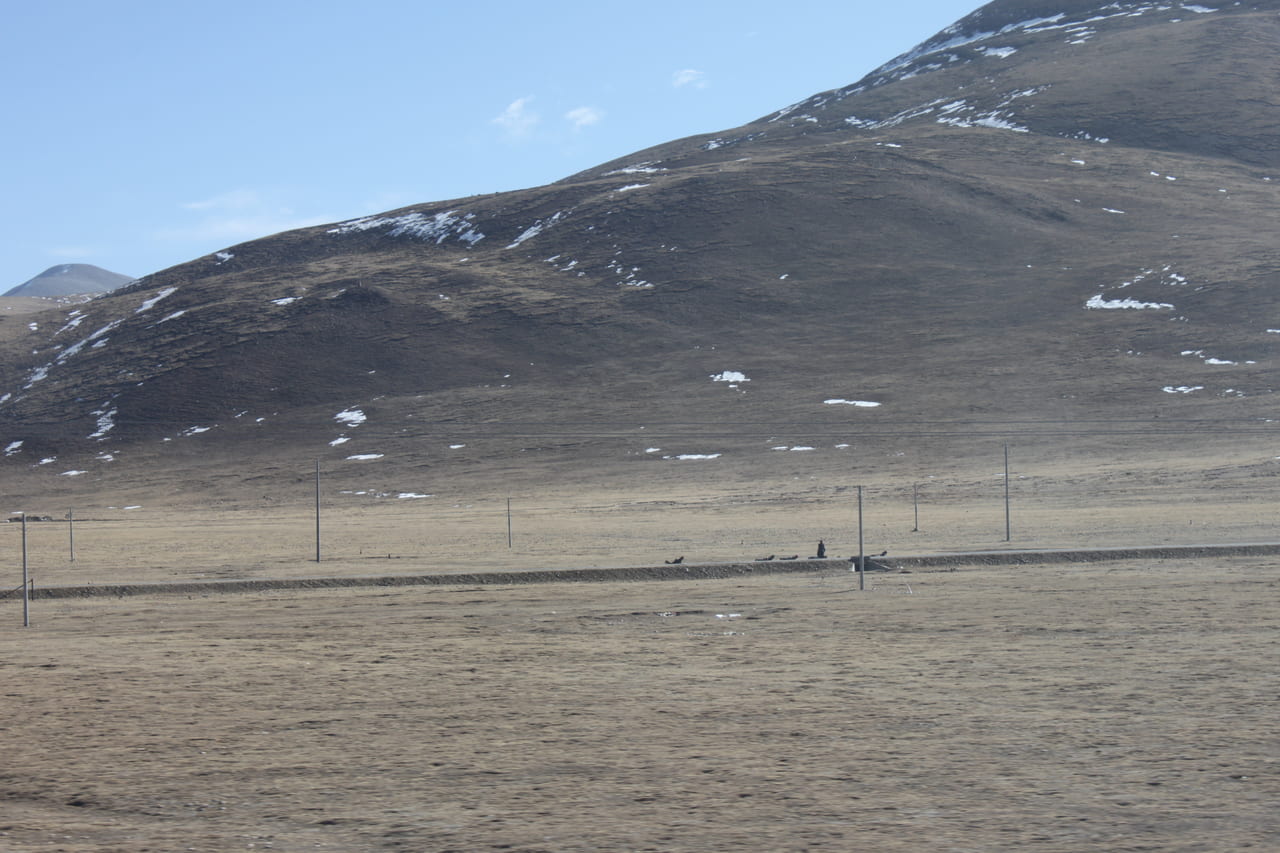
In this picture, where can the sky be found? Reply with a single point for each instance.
(140, 134)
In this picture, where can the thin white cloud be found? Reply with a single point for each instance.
(581, 117)
(517, 120)
(240, 199)
(689, 77)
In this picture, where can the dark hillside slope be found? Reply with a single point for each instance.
(1055, 213)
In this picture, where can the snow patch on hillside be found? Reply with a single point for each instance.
(647, 168)
(438, 226)
(94, 341)
(629, 277)
(1097, 303)
(74, 319)
(721, 142)
(166, 318)
(1209, 359)
(106, 422)
(956, 46)
(538, 227)
(150, 303)
(958, 113)
(1165, 276)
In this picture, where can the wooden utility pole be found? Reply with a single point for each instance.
(317, 510)
(862, 554)
(26, 590)
(915, 506)
(1008, 529)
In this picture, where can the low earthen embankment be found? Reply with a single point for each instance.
(708, 571)
(634, 573)
(1074, 555)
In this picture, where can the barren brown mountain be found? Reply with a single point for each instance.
(1051, 224)
(1019, 284)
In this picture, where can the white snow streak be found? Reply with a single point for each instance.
(146, 306)
(1098, 303)
(537, 228)
(424, 226)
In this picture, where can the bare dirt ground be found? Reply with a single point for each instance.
(1108, 706)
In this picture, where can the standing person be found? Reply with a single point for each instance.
(822, 550)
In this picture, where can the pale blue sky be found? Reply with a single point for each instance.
(139, 134)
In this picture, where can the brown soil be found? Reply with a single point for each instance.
(1120, 705)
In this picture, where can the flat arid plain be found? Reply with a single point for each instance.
(1122, 704)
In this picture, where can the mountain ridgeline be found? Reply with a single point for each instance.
(71, 280)
(1050, 211)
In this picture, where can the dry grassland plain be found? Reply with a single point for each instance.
(130, 536)
(1104, 706)
(1119, 705)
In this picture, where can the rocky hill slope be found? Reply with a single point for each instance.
(1052, 218)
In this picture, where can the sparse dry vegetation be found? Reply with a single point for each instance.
(1049, 708)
